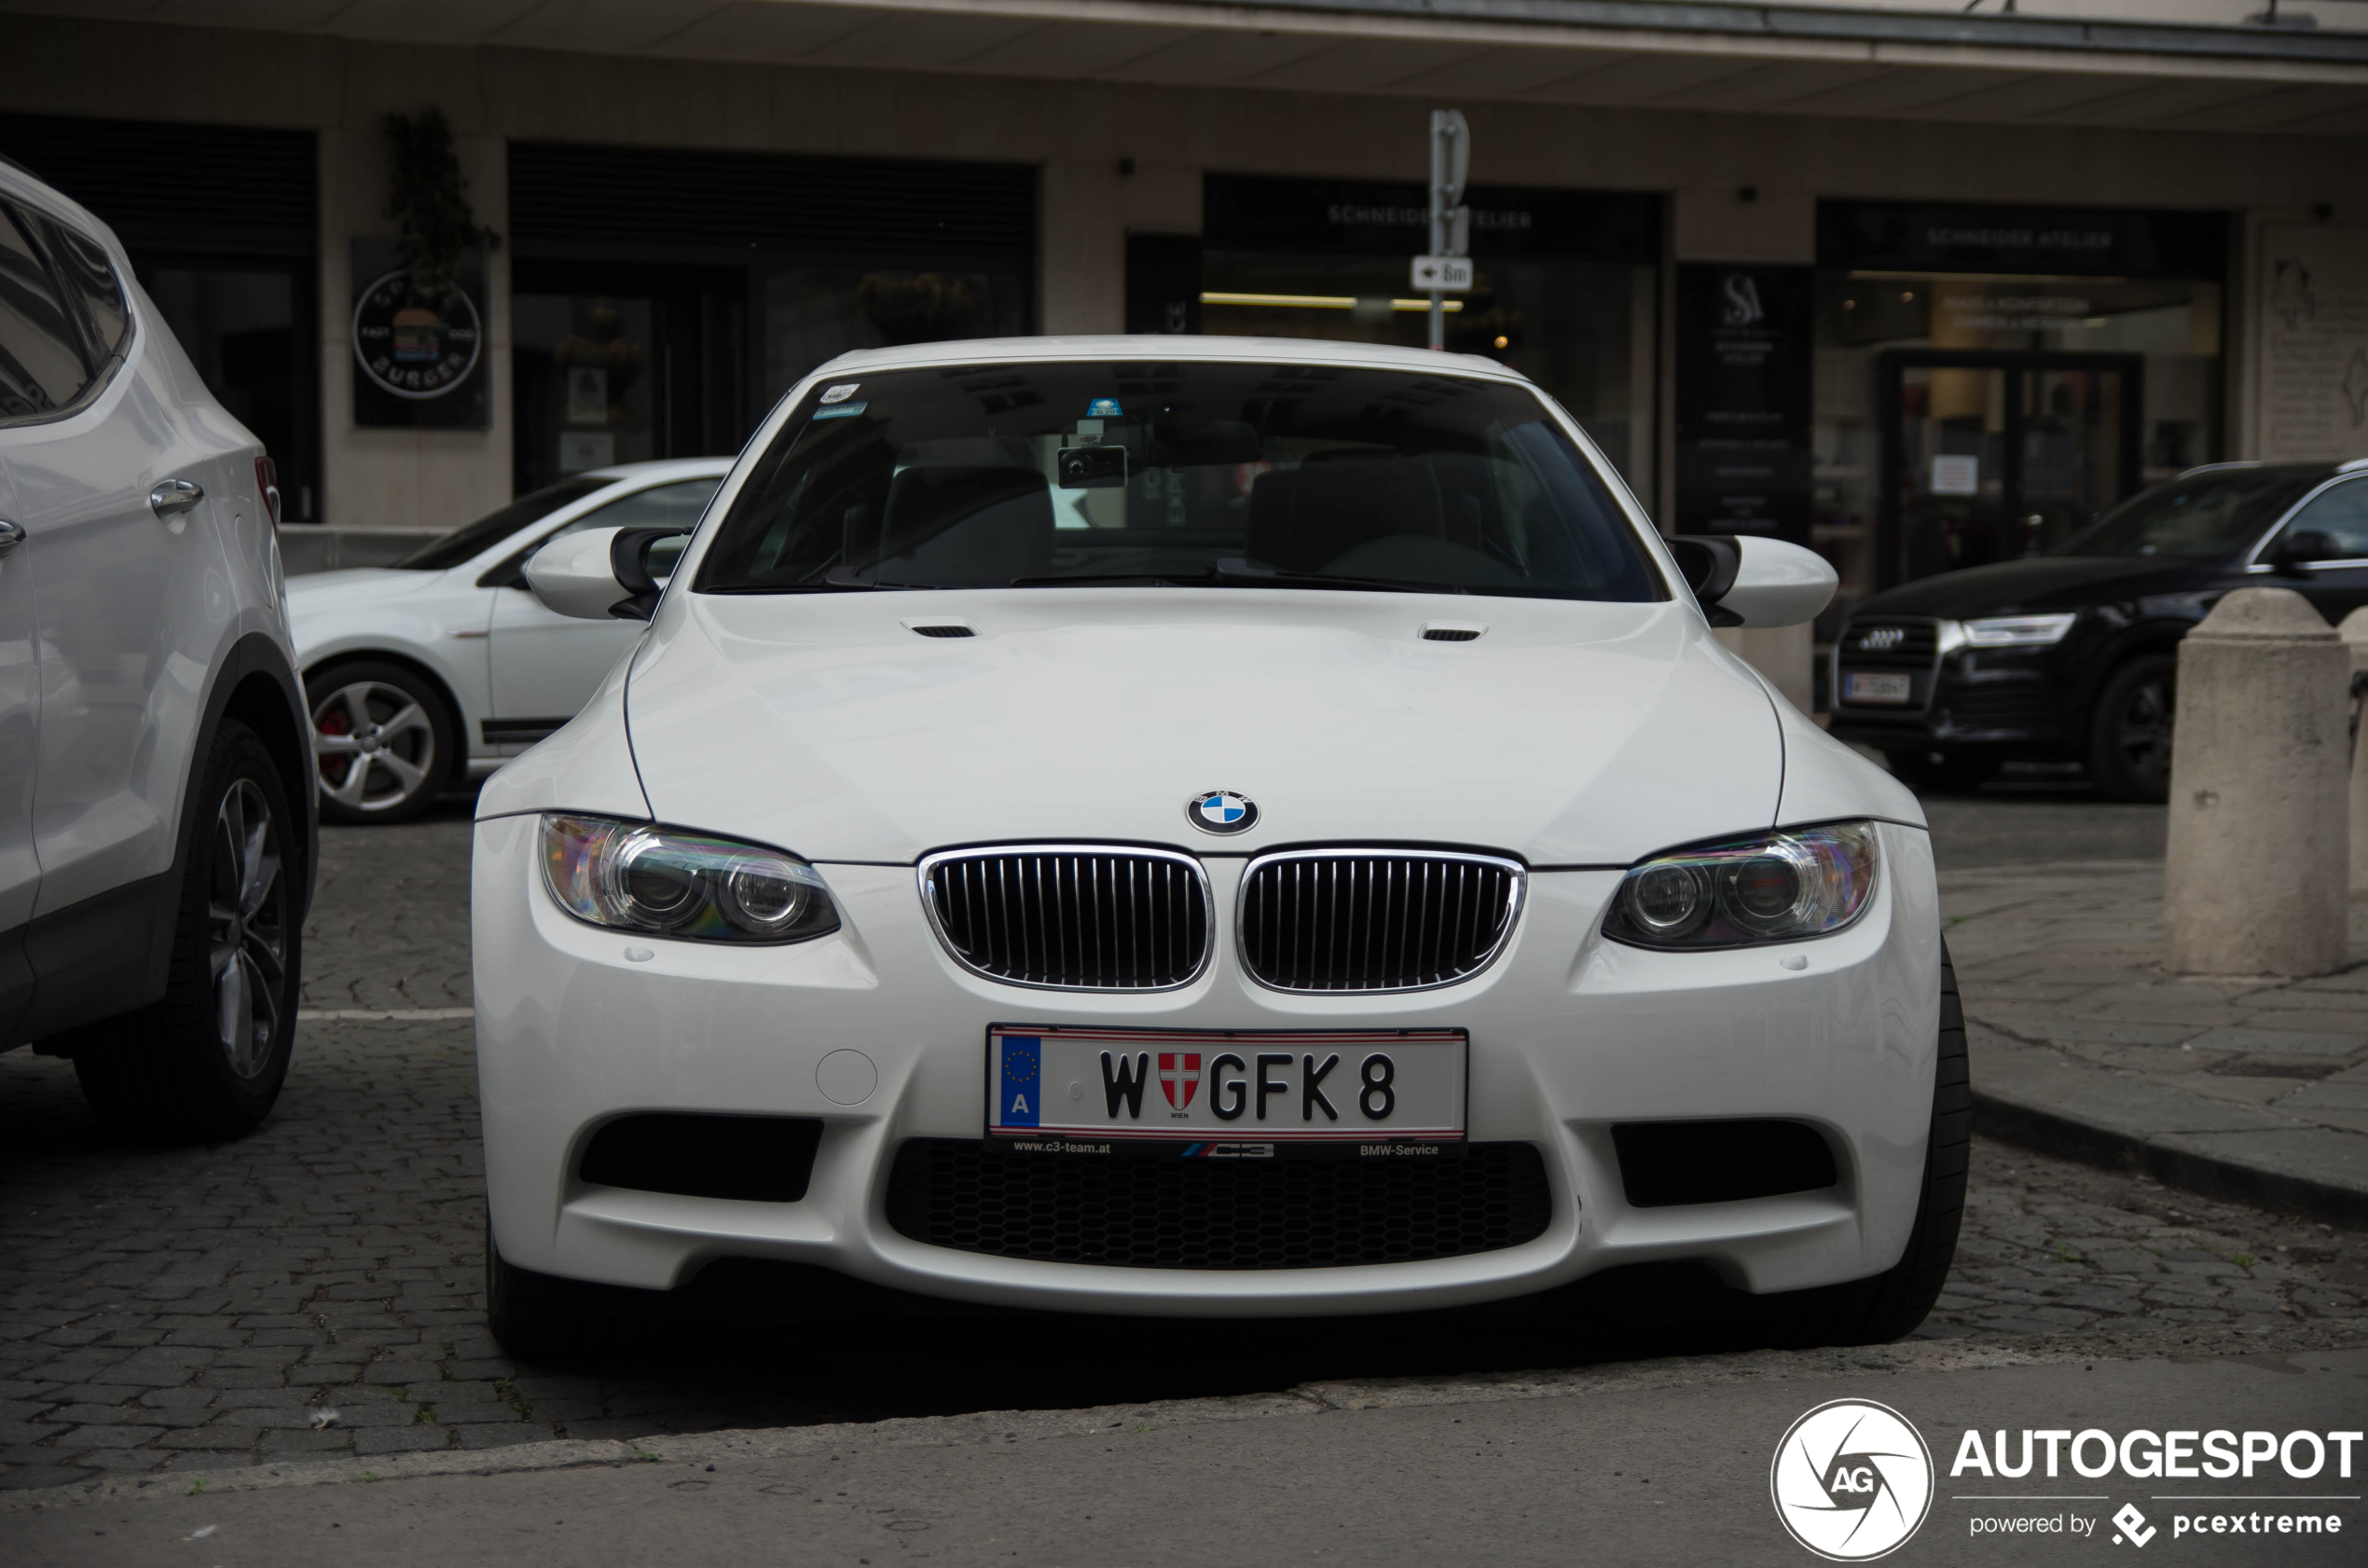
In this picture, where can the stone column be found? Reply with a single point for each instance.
(2354, 631)
(2258, 875)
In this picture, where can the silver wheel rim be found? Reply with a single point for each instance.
(247, 928)
(375, 746)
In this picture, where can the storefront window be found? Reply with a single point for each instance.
(815, 313)
(2028, 376)
(1564, 290)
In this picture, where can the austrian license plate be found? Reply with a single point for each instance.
(1225, 1093)
(1870, 686)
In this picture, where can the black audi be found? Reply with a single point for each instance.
(2071, 656)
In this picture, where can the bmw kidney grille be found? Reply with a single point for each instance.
(1375, 920)
(1072, 918)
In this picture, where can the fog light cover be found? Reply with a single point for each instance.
(632, 876)
(1803, 882)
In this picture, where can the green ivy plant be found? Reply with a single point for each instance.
(428, 199)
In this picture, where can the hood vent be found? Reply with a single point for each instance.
(1453, 631)
(941, 628)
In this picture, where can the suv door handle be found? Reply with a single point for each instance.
(175, 497)
(11, 535)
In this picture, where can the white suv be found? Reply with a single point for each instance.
(156, 839)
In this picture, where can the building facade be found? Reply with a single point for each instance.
(1917, 288)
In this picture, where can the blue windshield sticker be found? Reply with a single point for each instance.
(1104, 408)
(844, 410)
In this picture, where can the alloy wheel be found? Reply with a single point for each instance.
(2141, 736)
(246, 927)
(375, 746)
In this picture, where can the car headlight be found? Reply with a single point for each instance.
(2018, 631)
(1804, 882)
(631, 876)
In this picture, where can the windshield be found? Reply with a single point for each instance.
(467, 544)
(1182, 472)
(2215, 513)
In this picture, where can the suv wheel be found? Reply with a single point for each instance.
(208, 1060)
(382, 741)
(2129, 730)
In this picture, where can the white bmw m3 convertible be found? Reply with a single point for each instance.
(1203, 826)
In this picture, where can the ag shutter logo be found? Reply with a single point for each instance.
(1852, 1480)
(1221, 811)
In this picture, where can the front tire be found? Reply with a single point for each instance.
(383, 741)
(208, 1060)
(1892, 1304)
(2129, 730)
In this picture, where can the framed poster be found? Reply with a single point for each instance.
(417, 363)
(1744, 349)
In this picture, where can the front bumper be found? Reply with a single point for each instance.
(1569, 1035)
(2008, 702)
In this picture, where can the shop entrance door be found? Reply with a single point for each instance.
(1992, 457)
(624, 362)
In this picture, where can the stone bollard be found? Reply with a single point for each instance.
(2354, 631)
(2258, 871)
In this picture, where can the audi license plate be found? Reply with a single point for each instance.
(1862, 686)
(1225, 1093)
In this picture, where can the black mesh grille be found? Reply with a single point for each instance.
(2005, 706)
(1375, 922)
(1078, 919)
(1200, 1214)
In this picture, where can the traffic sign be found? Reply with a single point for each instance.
(1448, 274)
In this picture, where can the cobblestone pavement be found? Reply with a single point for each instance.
(2069, 1005)
(193, 1308)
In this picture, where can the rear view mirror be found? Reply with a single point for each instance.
(2293, 551)
(602, 573)
(1747, 579)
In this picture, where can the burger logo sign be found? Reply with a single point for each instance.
(1852, 1480)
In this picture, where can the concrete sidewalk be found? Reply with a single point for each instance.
(2250, 1090)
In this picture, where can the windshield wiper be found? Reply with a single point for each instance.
(1147, 579)
(1234, 569)
(841, 577)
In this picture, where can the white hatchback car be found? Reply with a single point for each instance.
(156, 808)
(442, 666)
(1192, 826)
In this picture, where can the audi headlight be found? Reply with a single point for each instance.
(1805, 881)
(2018, 631)
(631, 876)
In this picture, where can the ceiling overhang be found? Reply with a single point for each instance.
(1831, 60)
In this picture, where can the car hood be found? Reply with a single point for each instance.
(2041, 583)
(373, 583)
(1568, 734)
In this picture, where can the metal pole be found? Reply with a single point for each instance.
(1438, 224)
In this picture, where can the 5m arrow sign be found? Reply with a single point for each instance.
(1449, 274)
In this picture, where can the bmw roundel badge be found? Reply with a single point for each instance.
(1221, 811)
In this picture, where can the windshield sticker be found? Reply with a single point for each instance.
(844, 411)
(841, 392)
(1105, 408)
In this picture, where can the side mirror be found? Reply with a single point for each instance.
(1747, 579)
(2294, 550)
(599, 574)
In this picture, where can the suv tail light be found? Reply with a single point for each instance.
(266, 485)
